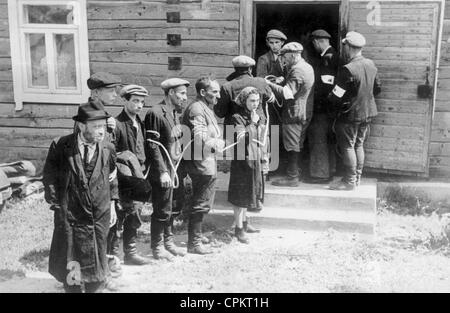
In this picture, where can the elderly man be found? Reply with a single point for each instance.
(269, 63)
(297, 108)
(353, 97)
(162, 123)
(78, 175)
(129, 141)
(202, 164)
(322, 151)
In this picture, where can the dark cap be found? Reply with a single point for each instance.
(90, 111)
(320, 33)
(103, 79)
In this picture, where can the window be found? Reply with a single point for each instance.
(49, 51)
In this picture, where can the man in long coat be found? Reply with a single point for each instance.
(79, 180)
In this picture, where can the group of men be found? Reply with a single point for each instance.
(97, 178)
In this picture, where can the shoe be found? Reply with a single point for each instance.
(240, 235)
(110, 286)
(316, 180)
(342, 186)
(135, 259)
(169, 243)
(114, 266)
(157, 241)
(195, 245)
(248, 228)
(286, 182)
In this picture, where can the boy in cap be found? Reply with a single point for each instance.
(164, 119)
(322, 152)
(296, 112)
(269, 63)
(353, 98)
(129, 140)
(79, 184)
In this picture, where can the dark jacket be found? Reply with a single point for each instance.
(125, 136)
(353, 94)
(297, 94)
(159, 119)
(226, 107)
(81, 208)
(268, 66)
(325, 75)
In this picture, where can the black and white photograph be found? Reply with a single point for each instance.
(224, 151)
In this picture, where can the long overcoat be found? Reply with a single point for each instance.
(81, 208)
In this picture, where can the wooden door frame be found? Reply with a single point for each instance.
(247, 18)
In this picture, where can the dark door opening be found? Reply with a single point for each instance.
(297, 21)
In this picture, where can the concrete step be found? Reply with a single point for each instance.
(309, 207)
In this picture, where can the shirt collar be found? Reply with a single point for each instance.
(82, 142)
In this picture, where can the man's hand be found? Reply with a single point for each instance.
(279, 80)
(166, 181)
(220, 144)
(113, 219)
(111, 123)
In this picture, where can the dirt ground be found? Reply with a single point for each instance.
(407, 254)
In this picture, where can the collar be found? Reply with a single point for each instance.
(325, 51)
(82, 142)
(356, 57)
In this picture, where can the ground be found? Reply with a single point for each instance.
(406, 254)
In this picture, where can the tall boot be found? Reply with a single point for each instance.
(157, 241)
(292, 177)
(169, 243)
(130, 248)
(195, 245)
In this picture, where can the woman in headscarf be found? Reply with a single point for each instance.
(246, 185)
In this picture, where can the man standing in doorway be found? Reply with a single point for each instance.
(202, 165)
(269, 63)
(162, 123)
(322, 153)
(297, 108)
(353, 98)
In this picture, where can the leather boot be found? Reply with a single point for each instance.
(195, 245)
(169, 243)
(131, 256)
(240, 235)
(157, 241)
(248, 228)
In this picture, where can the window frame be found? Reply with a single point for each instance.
(19, 53)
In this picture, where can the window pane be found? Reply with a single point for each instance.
(38, 61)
(65, 61)
(48, 14)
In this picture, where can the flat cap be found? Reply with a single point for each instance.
(354, 39)
(320, 33)
(291, 47)
(133, 90)
(173, 82)
(103, 79)
(275, 33)
(243, 61)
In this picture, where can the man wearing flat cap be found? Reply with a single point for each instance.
(103, 89)
(269, 63)
(162, 123)
(320, 137)
(79, 176)
(226, 106)
(129, 140)
(353, 98)
(297, 106)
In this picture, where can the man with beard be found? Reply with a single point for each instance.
(78, 179)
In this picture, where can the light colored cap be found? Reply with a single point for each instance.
(275, 33)
(173, 83)
(243, 61)
(354, 39)
(133, 90)
(291, 47)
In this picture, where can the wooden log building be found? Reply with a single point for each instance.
(48, 48)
